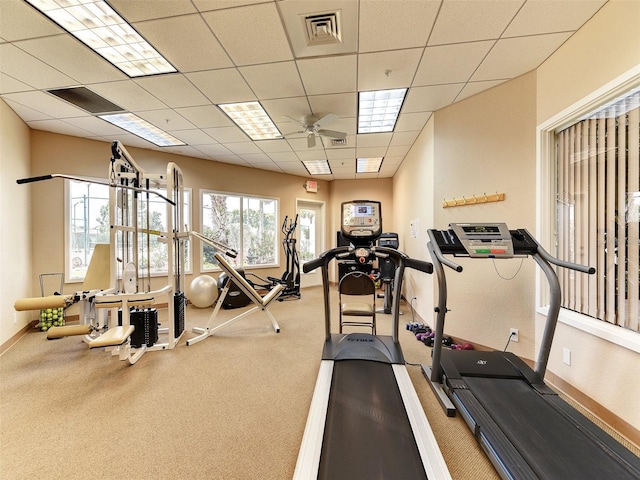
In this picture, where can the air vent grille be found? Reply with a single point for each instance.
(338, 142)
(323, 28)
(86, 99)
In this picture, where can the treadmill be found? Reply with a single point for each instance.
(524, 427)
(365, 419)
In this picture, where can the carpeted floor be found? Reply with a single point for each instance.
(231, 407)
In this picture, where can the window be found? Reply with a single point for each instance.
(88, 224)
(246, 224)
(598, 211)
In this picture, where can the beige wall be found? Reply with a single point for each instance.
(15, 234)
(413, 206)
(605, 48)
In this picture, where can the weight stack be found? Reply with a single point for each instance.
(179, 302)
(145, 321)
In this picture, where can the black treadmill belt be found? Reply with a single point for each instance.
(367, 432)
(553, 446)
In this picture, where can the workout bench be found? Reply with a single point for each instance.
(261, 303)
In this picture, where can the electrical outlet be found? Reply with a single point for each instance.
(513, 334)
(566, 356)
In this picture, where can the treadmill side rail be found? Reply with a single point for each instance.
(309, 456)
(432, 459)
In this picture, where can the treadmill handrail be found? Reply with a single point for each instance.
(401, 260)
(544, 260)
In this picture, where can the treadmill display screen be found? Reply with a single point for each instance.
(481, 229)
(361, 221)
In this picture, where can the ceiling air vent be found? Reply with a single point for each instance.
(86, 99)
(338, 142)
(323, 28)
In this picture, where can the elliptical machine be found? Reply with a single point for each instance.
(291, 276)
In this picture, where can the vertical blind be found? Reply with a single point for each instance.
(598, 212)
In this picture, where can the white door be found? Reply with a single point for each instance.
(310, 235)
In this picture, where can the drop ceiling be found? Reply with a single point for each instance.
(246, 50)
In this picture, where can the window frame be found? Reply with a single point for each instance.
(546, 199)
(241, 257)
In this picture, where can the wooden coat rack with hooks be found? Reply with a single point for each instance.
(474, 200)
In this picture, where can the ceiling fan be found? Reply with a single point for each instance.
(313, 126)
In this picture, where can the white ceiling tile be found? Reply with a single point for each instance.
(344, 163)
(404, 138)
(371, 152)
(470, 20)
(429, 99)
(130, 140)
(9, 84)
(129, 95)
(398, 150)
(373, 139)
(207, 5)
(94, 125)
(242, 148)
(46, 103)
(265, 165)
(192, 136)
(395, 161)
(366, 175)
(186, 41)
(273, 146)
(184, 150)
(328, 74)
(214, 149)
(395, 25)
(387, 170)
(341, 154)
(548, 16)
(408, 122)
(311, 154)
(293, 168)
(273, 80)
(279, 157)
(282, 109)
(55, 126)
(436, 67)
(233, 159)
(19, 21)
(166, 119)
(256, 158)
(340, 104)
(27, 114)
(222, 86)
(252, 34)
(227, 134)
(386, 70)
(514, 56)
(472, 88)
(173, 89)
(149, 9)
(205, 116)
(66, 54)
(27, 69)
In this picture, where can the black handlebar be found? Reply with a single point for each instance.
(20, 181)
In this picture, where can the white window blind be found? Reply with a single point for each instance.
(598, 211)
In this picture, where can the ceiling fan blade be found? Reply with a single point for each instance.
(325, 120)
(332, 133)
(311, 141)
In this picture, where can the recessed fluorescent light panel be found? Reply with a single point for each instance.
(252, 119)
(317, 167)
(368, 165)
(378, 110)
(134, 124)
(98, 26)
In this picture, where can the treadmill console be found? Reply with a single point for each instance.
(361, 221)
(484, 240)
